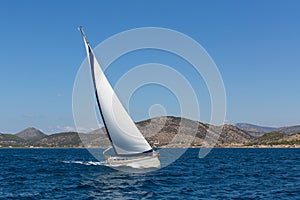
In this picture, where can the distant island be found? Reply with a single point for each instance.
(162, 132)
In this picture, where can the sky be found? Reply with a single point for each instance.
(255, 45)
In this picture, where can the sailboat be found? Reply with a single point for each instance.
(130, 147)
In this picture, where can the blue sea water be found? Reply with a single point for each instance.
(223, 174)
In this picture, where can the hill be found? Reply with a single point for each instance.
(277, 139)
(97, 138)
(65, 139)
(254, 130)
(11, 140)
(174, 131)
(31, 134)
(233, 135)
(289, 129)
(161, 132)
(257, 131)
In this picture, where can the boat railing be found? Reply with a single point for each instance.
(106, 150)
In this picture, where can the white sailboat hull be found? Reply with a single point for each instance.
(139, 162)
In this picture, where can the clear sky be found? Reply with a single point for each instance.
(255, 44)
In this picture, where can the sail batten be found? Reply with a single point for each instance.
(125, 137)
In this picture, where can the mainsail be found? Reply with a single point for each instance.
(125, 137)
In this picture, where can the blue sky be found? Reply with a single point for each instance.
(255, 45)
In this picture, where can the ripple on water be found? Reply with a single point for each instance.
(223, 174)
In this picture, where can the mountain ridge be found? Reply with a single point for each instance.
(289, 129)
(165, 131)
(256, 130)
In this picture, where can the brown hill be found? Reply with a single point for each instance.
(254, 130)
(289, 129)
(11, 140)
(31, 134)
(159, 131)
(66, 139)
(174, 131)
(276, 139)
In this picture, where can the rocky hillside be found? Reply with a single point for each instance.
(11, 140)
(31, 134)
(276, 138)
(159, 131)
(233, 135)
(257, 131)
(97, 138)
(66, 139)
(173, 131)
(254, 130)
(289, 130)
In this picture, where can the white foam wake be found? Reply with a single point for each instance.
(84, 162)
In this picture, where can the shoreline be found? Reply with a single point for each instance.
(176, 147)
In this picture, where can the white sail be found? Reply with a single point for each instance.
(123, 133)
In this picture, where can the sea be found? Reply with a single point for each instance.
(223, 174)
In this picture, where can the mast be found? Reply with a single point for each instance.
(91, 61)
